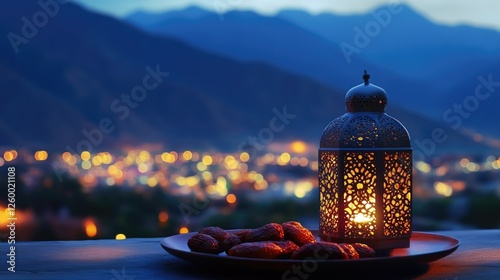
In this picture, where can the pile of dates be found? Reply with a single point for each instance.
(288, 240)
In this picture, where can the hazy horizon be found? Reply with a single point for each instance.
(462, 12)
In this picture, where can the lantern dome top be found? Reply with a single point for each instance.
(365, 125)
(366, 97)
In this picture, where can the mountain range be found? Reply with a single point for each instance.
(425, 67)
(88, 77)
(248, 36)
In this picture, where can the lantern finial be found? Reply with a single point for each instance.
(366, 77)
(366, 97)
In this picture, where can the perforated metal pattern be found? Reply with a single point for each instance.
(361, 130)
(366, 97)
(356, 150)
(328, 196)
(331, 134)
(366, 103)
(393, 132)
(397, 193)
(359, 197)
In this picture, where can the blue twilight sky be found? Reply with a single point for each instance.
(481, 13)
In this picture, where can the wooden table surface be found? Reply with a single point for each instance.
(477, 257)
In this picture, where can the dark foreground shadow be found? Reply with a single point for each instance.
(199, 271)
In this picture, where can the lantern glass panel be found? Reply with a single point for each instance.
(329, 211)
(397, 193)
(359, 194)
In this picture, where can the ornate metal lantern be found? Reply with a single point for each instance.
(365, 174)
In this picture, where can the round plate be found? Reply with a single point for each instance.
(424, 248)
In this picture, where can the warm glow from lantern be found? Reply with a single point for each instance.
(362, 219)
(365, 174)
(183, 230)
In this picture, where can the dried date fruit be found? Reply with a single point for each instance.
(267, 232)
(288, 248)
(320, 250)
(364, 250)
(261, 249)
(229, 242)
(216, 232)
(288, 240)
(242, 234)
(297, 233)
(203, 243)
(350, 250)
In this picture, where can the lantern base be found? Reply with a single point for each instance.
(376, 244)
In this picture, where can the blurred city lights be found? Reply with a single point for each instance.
(201, 166)
(90, 228)
(41, 155)
(183, 230)
(298, 147)
(85, 155)
(120, 236)
(163, 216)
(284, 158)
(244, 157)
(86, 165)
(423, 167)
(443, 189)
(231, 198)
(207, 160)
(8, 156)
(187, 155)
(4, 213)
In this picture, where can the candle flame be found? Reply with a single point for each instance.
(361, 218)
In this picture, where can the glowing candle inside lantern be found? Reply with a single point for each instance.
(362, 219)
